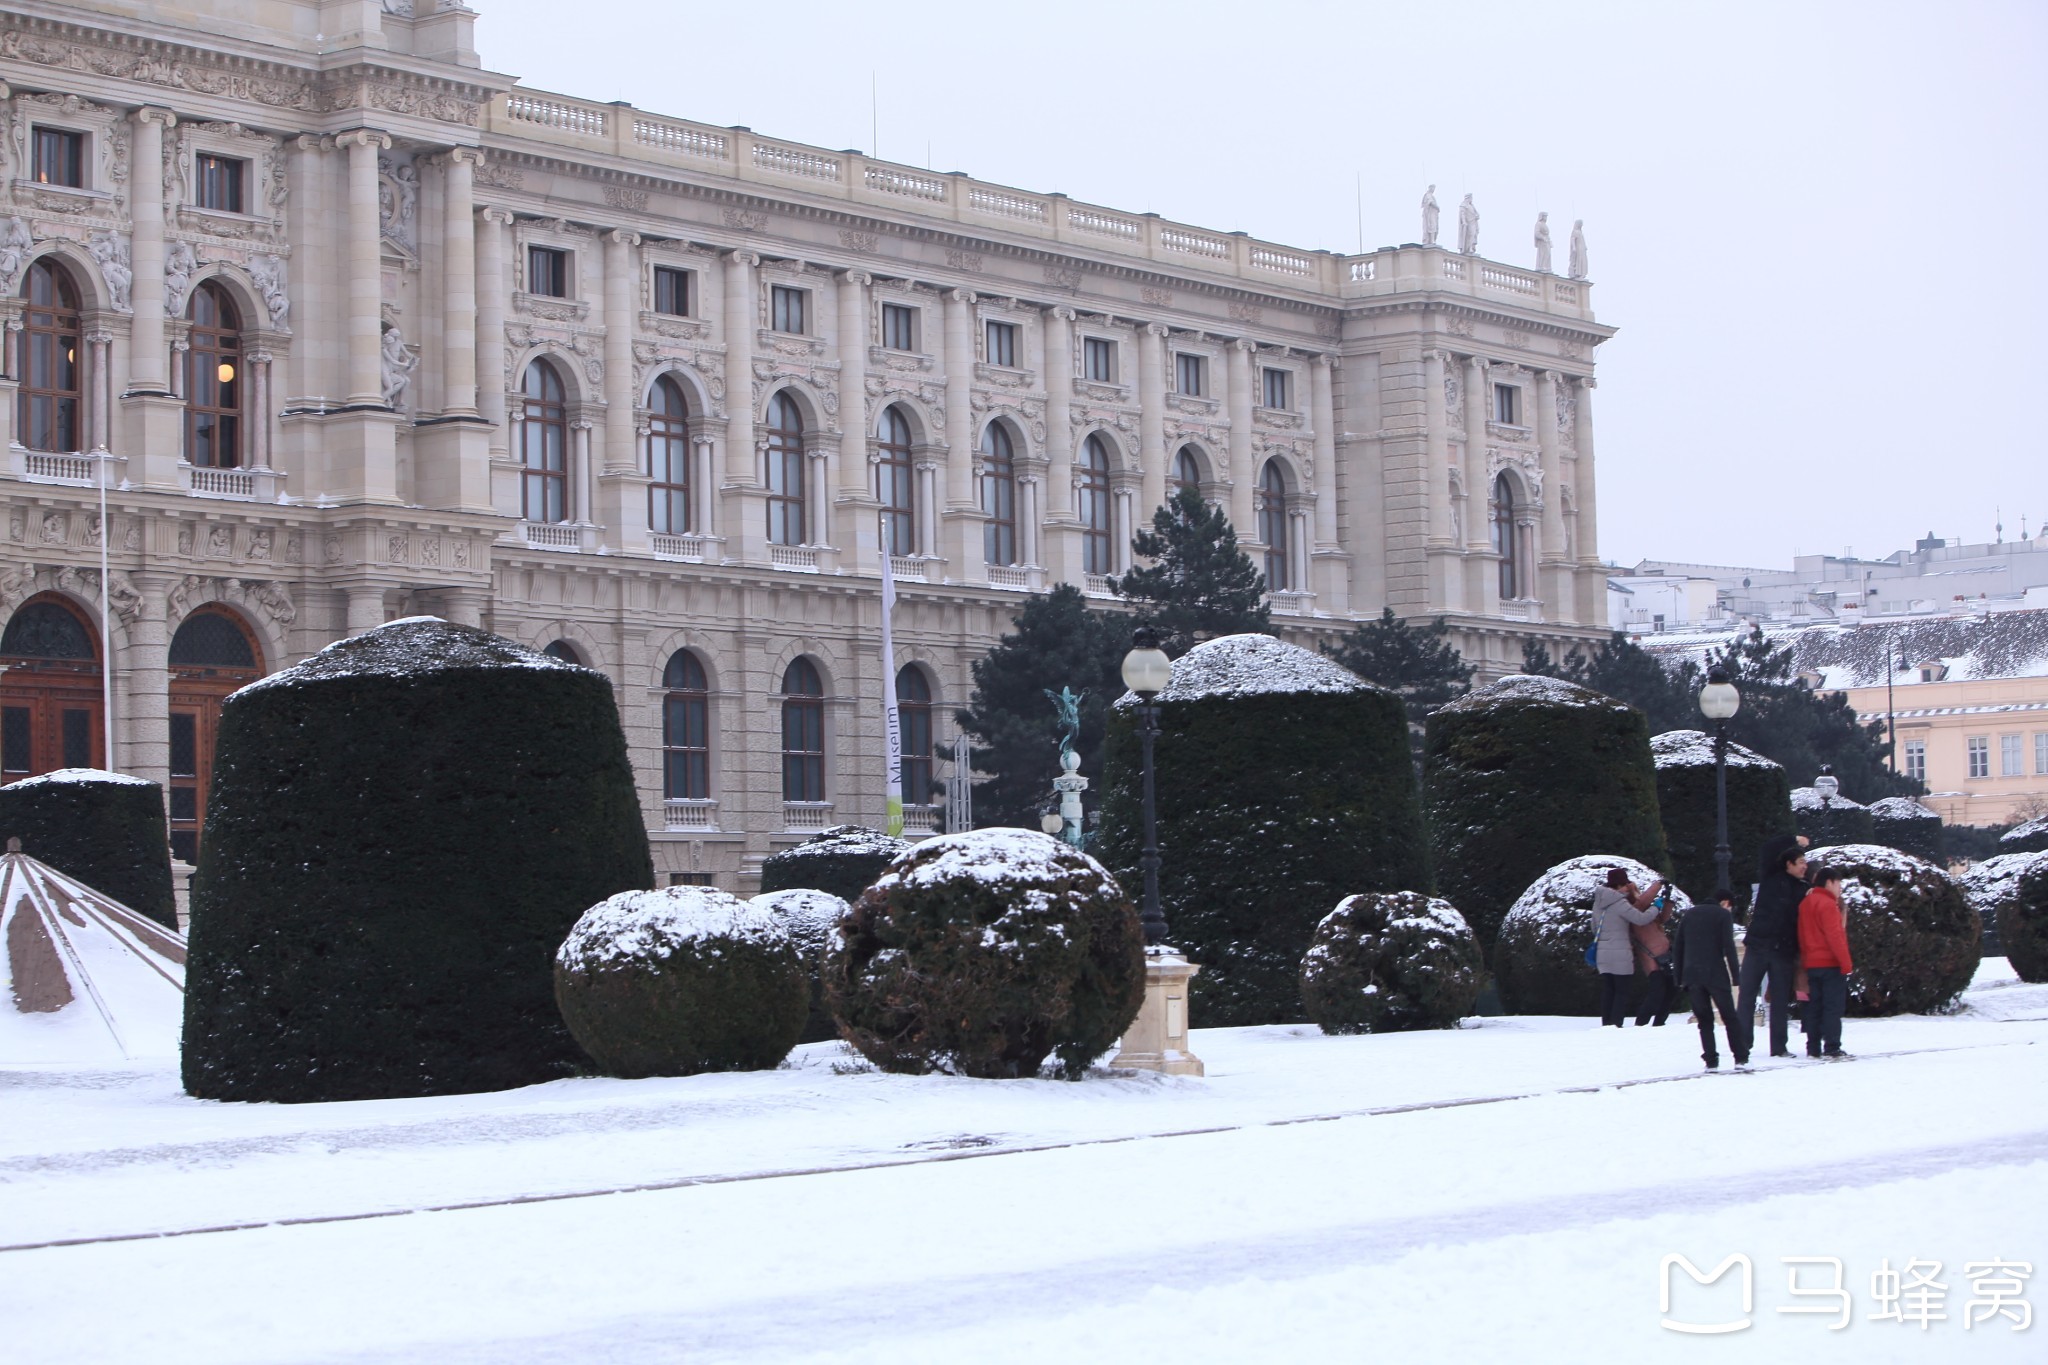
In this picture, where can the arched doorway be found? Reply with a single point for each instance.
(50, 700)
(212, 654)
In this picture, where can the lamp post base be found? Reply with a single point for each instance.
(1157, 1039)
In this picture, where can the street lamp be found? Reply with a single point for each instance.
(1718, 702)
(1147, 671)
(1828, 787)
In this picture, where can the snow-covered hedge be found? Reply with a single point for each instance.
(2011, 891)
(1902, 823)
(810, 918)
(403, 829)
(1540, 958)
(842, 861)
(981, 952)
(1284, 783)
(1381, 963)
(1912, 934)
(2031, 837)
(1759, 809)
(106, 829)
(1525, 773)
(1836, 821)
(681, 980)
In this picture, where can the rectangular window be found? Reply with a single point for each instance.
(899, 327)
(217, 182)
(1098, 360)
(671, 291)
(1916, 759)
(1002, 344)
(690, 879)
(1507, 405)
(60, 158)
(2011, 758)
(1189, 375)
(1280, 389)
(2041, 753)
(787, 308)
(547, 272)
(1980, 756)
(76, 734)
(14, 739)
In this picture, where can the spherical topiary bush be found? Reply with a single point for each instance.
(106, 829)
(1759, 809)
(810, 918)
(1539, 960)
(842, 861)
(681, 980)
(1381, 963)
(1283, 784)
(978, 953)
(2011, 891)
(403, 829)
(1911, 933)
(1835, 821)
(1902, 823)
(2031, 837)
(1525, 773)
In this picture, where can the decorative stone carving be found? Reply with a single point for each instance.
(16, 241)
(397, 549)
(1577, 264)
(964, 260)
(261, 543)
(331, 550)
(16, 584)
(122, 598)
(181, 263)
(56, 528)
(1543, 242)
(185, 532)
(1468, 227)
(398, 201)
(220, 542)
(110, 251)
(154, 68)
(293, 548)
(746, 220)
(1247, 312)
(1430, 216)
(430, 550)
(178, 597)
(1454, 396)
(1062, 277)
(275, 601)
(268, 273)
(1158, 298)
(1459, 327)
(131, 536)
(397, 362)
(622, 197)
(498, 174)
(859, 241)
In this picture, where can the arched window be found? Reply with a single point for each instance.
(1502, 514)
(50, 692)
(566, 652)
(998, 495)
(49, 359)
(1094, 488)
(803, 733)
(1187, 471)
(212, 654)
(685, 730)
(785, 472)
(544, 445)
(213, 381)
(914, 713)
(893, 484)
(1272, 510)
(668, 459)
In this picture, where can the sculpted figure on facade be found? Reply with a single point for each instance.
(1578, 258)
(1430, 216)
(181, 263)
(268, 274)
(398, 363)
(1543, 242)
(398, 198)
(111, 254)
(16, 241)
(1468, 227)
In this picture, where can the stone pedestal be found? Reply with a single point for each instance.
(1157, 1039)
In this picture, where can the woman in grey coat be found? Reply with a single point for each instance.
(1616, 906)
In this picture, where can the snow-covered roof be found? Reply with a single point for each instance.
(1533, 688)
(1561, 900)
(411, 646)
(87, 979)
(1252, 665)
(995, 856)
(1807, 798)
(68, 776)
(1901, 808)
(1695, 749)
(651, 924)
(1999, 644)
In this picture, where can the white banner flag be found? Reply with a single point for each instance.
(892, 727)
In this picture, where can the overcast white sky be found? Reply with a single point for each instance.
(1817, 225)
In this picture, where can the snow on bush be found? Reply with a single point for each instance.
(979, 953)
(105, 829)
(1382, 963)
(1911, 933)
(811, 919)
(1249, 666)
(2011, 892)
(679, 981)
(1759, 809)
(1836, 821)
(1902, 823)
(2031, 837)
(1540, 958)
(842, 861)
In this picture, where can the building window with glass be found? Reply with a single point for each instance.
(60, 158)
(547, 272)
(998, 495)
(671, 291)
(1507, 404)
(1502, 515)
(543, 445)
(803, 733)
(785, 472)
(1094, 509)
(914, 716)
(213, 380)
(1098, 359)
(899, 327)
(895, 484)
(50, 387)
(685, 730)
(2041, 753)
(668, 459)
(1271, 496)
(2011, 757)
(1279, 389)
(1002, 344)
(1187, 471)
(1916, 759)
(1980, 756)
(217, 182)
(786, 308)
(1190, 375)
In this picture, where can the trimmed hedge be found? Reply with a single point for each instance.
(2011, 891)
(810, 918)
(1383, 963)
(680, 981)
(979, 953)
(1540, 960)
(402, 831)
(1526, 773)
(1283, 784)
(1911, 933)
(2031, 837)
(843, 861)
(106, 829)
(1902, 823)
(1759, 809)
(1840, 821)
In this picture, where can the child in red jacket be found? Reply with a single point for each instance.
(1824, 953)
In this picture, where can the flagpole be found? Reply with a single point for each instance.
(892, 730)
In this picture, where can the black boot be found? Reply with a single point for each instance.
(1712, 1060)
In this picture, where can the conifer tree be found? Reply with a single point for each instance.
(1417, 662)
(1199, 584)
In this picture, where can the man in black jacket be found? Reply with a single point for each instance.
(1703, 960)
(1771, 947)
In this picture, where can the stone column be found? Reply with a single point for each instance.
(493, 291)
(458, 272)
(1060, 544)
(1237, 381)
(365, 608)
(1152, 417)
(99, 380)
(703, 502)
(926, 475)
(1330, 572)
(1554, 578)
(365, 268)
(1482, 573)
(1120, 523)
(859, 532)
(144, 684)
(579, 471)
(960, 521)
(621, 502)
(741, 520)
(1592, 580)
(147, 354)
(258, 412)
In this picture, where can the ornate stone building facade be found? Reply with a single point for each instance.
(351, 328)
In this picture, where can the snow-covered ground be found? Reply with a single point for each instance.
(1507, 1190)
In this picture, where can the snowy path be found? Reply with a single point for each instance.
(1270, 1237)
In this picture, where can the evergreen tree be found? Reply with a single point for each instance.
(1199, 584)
(1057, 643)
(1416, 662)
